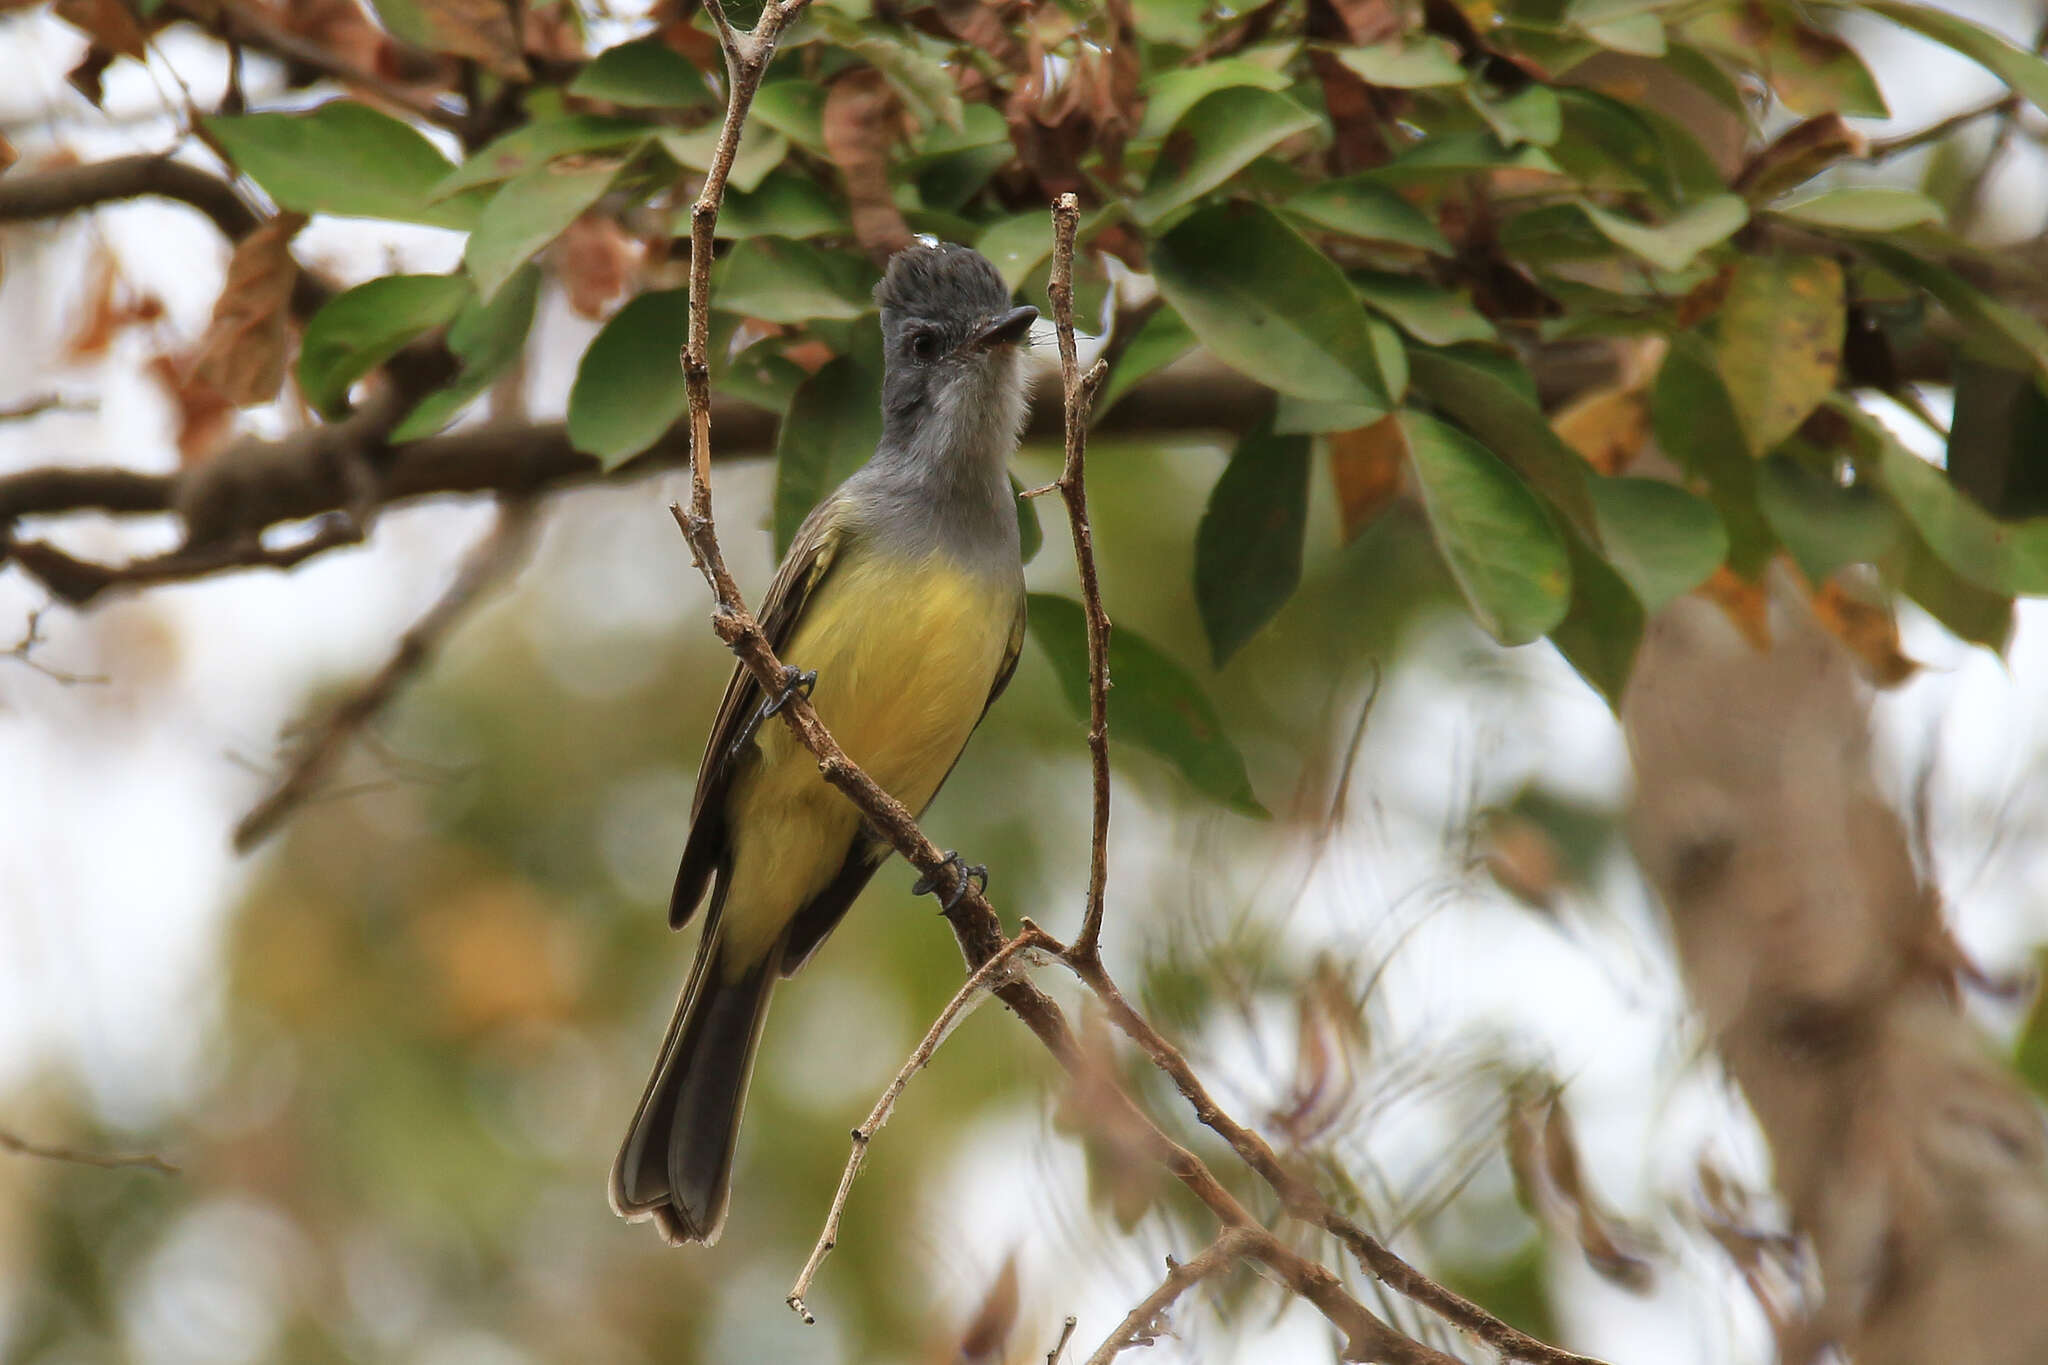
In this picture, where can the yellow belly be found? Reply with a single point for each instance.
(906, 653)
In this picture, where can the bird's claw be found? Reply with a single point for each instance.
(963, 874)
(795, 682)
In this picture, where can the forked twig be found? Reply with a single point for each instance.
(963, 1002)
(1138, 1327)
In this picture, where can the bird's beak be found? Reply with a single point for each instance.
(1005, 328)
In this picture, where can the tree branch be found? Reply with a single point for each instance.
(970, 993)
(1078, 394)
(1139, 1326)
(147, 1161)
(496, 556)
(73, 189)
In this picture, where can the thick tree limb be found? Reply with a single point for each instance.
(1905, 1150)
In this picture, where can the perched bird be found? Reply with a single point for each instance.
(902, 597)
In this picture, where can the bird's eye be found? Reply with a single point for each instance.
(923, 345)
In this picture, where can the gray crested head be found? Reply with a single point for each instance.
(953, 380)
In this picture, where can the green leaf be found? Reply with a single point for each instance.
(1268, 304)
(793, 108)
(1778, 342)
(2017, 337)
(342, 158)
(629, 385)
(761, 150)
(1430, 314)
(534, 145)
(1161, 339)
(1694, 421)
(1532, 114)
(2025, 72)
(1968, 612)
(1508, 422)
(360, 329)
(1812, 72)
(1508, 560)
(778, 280)
(1603, 629)
(832, 427)
(1225, 132)
(1640, 35)
(487, 338)
(1357, 207)
(1030, 531)
(527, 213)
(1248, 546)
(2030, 1055)
(1405, 65)
(2002, 556)
(786, 204)
(1449, 156)
(1153, 702)
(760, 375)
(1824, 525)
(1016, 246)
(1661, 539)
(646, 74)
(1170, 94)
(1673, 244)
(1863, 208)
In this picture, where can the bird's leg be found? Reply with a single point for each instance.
(963, 873)
(794, 682)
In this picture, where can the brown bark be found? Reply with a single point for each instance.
(1908, 1155)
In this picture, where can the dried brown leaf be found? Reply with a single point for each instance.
(1744, 602)
(863, 118)
(111, 25)
(205, 418)
(596, 260)
(1544, 1156)
(111, 304)
(989, 1330)
(1523, 859)
(1366, 465)
(1870, 630)
(552, 33)
(243, 355)
(480, 30)
(1608, 427)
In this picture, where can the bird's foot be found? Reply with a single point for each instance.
(963, 874)
(795, 682)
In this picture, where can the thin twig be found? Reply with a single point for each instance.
(146, 1161)
(24, 652)
(495, 556)
(1140, 1325)
(1059, 1348)
(1079, 392)
(1935, 132)
(963, 1001)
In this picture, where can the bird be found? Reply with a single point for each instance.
(899, 609)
